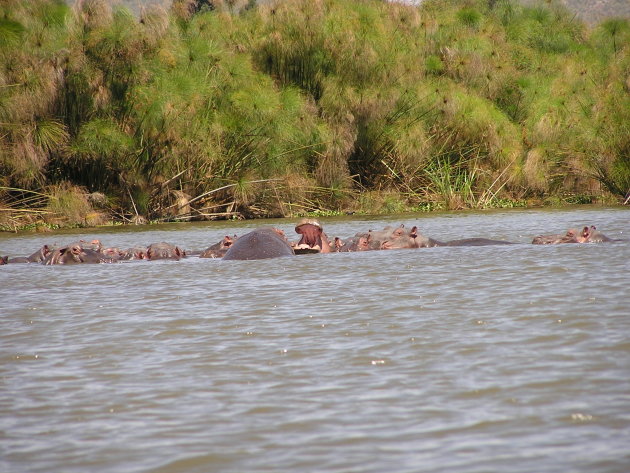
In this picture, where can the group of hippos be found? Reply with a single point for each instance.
(265, 243)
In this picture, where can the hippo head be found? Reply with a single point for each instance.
(311, 231)
(164, 250)
(401, 238)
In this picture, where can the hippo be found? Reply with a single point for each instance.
(570, 237)
(95, 245)
(387, 239)
(313, 236)
(399, 237)
(40, 255)
(134, 253)
(593, 235)
(427, 242)
(477, 242)
(218, 250)
(356, 243)
(113, 253)
(14, 259)
(76, 254)
(587, 235)
(164, 250)
(37, 257)
(261, 243)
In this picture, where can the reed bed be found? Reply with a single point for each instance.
(236, 109)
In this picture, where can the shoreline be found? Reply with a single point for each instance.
(43, 226)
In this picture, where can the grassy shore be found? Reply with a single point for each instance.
(214, 109)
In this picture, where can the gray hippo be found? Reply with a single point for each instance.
(355, 243)
(593, 235)
(427, 242)
(391, 238)
(386, 239)
(218, 250)
(570, 237)
(37, 257)
(587, 235)
(261, 243)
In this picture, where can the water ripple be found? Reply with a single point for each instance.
(440, 360)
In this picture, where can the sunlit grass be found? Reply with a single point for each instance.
(456, 104)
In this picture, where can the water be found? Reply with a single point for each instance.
(507, 358)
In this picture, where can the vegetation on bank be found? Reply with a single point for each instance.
(224, 109)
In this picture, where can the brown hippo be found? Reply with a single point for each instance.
(219, 249)
(76, 254)
(387, 239)
(313, 236)
(399, 238)
(134, 253)
(261, 243)
(593, 235)
(570, 237)
(356, 243)
(113, 253)
(95, 245)
(164, 251)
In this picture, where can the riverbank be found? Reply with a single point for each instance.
(305, 107)
(76, 209)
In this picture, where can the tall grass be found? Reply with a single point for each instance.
(281, 107)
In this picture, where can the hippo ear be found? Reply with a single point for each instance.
(413, 233)
(338, 242)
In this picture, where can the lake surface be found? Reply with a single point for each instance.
(484, 359)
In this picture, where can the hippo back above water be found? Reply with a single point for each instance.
(261, 243)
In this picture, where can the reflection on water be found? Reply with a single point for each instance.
(444, 359)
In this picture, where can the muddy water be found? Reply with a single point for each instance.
(511, 358)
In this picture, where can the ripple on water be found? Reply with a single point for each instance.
(446, 359)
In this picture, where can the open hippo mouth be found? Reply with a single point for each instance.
(311, 231)
(312, 234)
